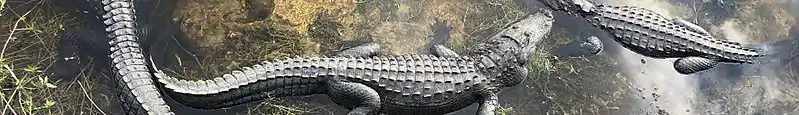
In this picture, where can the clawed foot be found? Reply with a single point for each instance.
(583, 48)
(441, 33)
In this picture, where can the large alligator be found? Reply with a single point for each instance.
(396, 84)
(138, 94)
(650, 34)
(115, 19)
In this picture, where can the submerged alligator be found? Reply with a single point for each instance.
(114, 22)
(650, 34)
(138, 91)
(396, 84)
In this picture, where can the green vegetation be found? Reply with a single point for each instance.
(2, 6)
(29, 36)
(504, 110)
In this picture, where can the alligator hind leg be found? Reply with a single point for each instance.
(364, 50)
(359, 98)
(488, 104)
(584, 48)
(441, 33)
(690, 65)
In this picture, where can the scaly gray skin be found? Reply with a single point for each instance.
(137, 92)
(404, 84)
(650, 34)
(86, 39)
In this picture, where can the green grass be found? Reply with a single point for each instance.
(2, 6)
(20, 85)
(28, 32)
(501, 110)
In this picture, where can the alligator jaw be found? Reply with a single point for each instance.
(138, 94)
(510, 50)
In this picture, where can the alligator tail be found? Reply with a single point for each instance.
(572, 7)
(137, 93)
(781, 51)
(257, 82)
(776, 55)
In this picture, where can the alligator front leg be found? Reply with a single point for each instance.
(689, 65)
(488, 104)
(441, 33)
(359, 98)
(364, 50)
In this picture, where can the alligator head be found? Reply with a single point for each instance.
(513, 47)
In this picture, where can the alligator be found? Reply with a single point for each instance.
(389, 84)
(650, 34)
(114, 22)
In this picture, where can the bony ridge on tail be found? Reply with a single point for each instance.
(648, 33)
